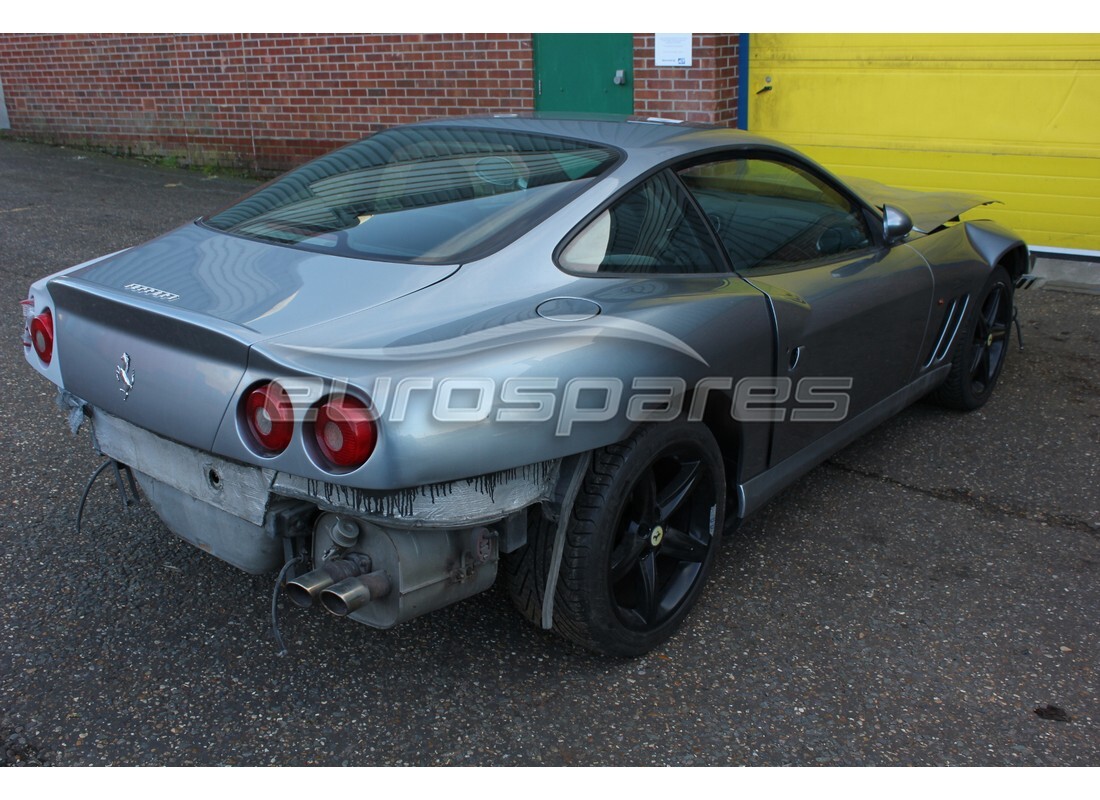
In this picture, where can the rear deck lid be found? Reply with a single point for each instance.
(159, 335)
(267, 289)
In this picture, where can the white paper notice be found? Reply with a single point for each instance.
(673, 49)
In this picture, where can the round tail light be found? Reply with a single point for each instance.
(42, 336)
(345, 432)
(269, 415)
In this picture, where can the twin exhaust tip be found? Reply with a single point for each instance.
(349, 595)
(343, 585)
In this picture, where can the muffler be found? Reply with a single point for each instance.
(353, 593)
(304, 589)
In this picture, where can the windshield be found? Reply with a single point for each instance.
(423, 195)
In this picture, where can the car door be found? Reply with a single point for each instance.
(649, 257)
(850, 313)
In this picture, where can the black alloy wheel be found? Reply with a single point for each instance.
(981, 348)
(990, 338)
(639, 544)
(662, 539)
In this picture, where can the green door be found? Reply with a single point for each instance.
(590, 72)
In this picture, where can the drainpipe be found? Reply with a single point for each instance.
(743, 81)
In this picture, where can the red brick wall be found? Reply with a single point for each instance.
(261, 101)
(269, 101)
(704, 92)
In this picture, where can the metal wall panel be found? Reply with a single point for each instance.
(1012, 116)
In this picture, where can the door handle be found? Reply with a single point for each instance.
(620, 77)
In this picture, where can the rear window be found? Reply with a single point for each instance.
(420, 195)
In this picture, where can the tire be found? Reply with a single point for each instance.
(640, 542)
(982, 347)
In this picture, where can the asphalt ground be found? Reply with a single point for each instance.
(912, 601)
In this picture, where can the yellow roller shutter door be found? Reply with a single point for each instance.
(1012, 116)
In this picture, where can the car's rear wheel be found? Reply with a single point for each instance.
(982, 347)
(640, 542)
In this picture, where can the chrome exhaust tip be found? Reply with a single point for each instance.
(349, 595)
(304, 589)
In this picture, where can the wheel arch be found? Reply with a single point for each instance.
(730, 437)
(1016, 261)
(998, 245)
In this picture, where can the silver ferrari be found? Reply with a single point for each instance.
(566, 353)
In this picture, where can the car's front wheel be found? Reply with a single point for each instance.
(639, 544)
(983, 344)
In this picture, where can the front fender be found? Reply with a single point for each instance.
(997, 244)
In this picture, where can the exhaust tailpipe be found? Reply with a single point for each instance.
(353, 593)
(304, 589)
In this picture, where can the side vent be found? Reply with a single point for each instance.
(952, 320)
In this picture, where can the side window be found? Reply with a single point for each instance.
(769, 214)
(654, 228)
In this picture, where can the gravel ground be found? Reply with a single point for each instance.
(915, 600)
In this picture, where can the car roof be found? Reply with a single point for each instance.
(625, 132)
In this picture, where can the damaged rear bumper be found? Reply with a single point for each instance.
(433, 545)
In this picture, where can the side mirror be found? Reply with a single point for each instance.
(896, 224)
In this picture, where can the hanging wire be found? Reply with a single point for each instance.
(275, 603)
(124, 496)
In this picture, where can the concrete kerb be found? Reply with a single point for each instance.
(1066, 272)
